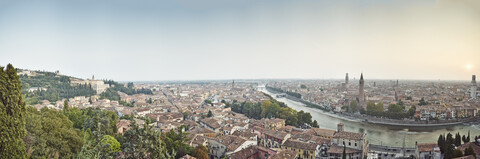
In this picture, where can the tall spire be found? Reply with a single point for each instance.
(361, 76)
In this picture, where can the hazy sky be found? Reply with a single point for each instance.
(129, 40)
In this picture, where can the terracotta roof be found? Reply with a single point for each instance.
(245, 134)
(335, 149)
(466, 157)
(300, 144)
(285, 154)
(211, 123)
(245, 153)
(475, 147)
(426, 147)
(276, 134)
(348, 135)
(231, 142)
(321, 132)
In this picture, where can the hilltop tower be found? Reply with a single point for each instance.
(361, 93)
(473, 89)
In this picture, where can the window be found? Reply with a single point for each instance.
(355, 144)
(349, 144)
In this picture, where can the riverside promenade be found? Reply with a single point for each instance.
(382, 121)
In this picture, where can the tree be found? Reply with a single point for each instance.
(411, 111)
(177, 141)
(449, 146)
(457, 153)
(65, 105)
(344, 154)
(303, 86)
(315, 124)
(200, 152)
(353, 107)
(143, 142)
(441, 143)
(469, 151)
(112, 144)
(422, 102)
(12, 114)
(468, 137)
(210, 114)
(458, 139)
(50, 134)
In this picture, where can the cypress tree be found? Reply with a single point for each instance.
(344, 155)
(12, 115)
(65, 105)
(441, 143)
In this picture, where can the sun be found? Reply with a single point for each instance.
(468, 66)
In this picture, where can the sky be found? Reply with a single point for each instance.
(154, 40)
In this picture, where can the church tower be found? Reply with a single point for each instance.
(361, 94)
(473, 89)
(346, 79)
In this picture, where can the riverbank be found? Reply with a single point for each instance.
(378, 121)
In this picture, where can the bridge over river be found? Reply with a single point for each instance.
(379, 134)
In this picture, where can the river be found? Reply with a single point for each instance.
(379, 134)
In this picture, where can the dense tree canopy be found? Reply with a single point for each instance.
(273, 109)
(12, 114)
(58, 87)
(50, 134)
(200, 152)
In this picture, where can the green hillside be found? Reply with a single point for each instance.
(58, 87)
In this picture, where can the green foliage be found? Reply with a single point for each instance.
(127, 104)
(111, 94)
(469, 151)
(303, 86)
(50, 134)
(422, 102)
(176, 141)
(65, 105)
(210, 114)
(441, 143)
(200, 152)
(457, 153)
(395, 111)
(315, 124)
(272, 109)
(208, 101)
(58, 87)
(149, 101)
(458, 139)
(127, 90)
(112, 143)
(449, 147)
(375, 109)
(143, 143)
(100, 122)
(353, 107)
(12, 114)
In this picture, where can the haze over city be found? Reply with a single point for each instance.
(190, 40)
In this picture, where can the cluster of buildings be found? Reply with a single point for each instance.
(433, 99)
(199, 109)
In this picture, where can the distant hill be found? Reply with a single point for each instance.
(41, 85)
